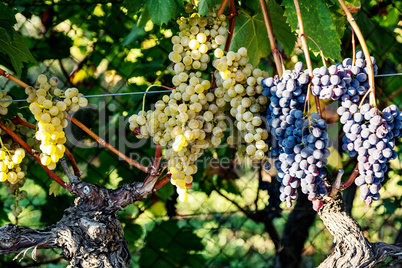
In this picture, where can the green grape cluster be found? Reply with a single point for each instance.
(50, 105)
(189, 120)
(241, 85)
(13, 163)
(197, 36)
(195, 116)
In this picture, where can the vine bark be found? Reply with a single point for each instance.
(352, 249)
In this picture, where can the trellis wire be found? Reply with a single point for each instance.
(158, 91)
(105, 95)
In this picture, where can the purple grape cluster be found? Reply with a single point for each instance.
(329, 83)
(301, 160)
(370, 134)
(342, 80)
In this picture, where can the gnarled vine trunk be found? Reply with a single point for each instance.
(352, 249)
(89, 234)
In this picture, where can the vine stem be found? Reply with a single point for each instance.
(271, 37)
(369, 64)
(73, 163)
(319, 48)
(232, 19)
(28, 148)
(107, 145)
(162, 181)
(353, 48)
(222, 7)
(337, 184)
(351, 178)
(12, 78)
(302, 37)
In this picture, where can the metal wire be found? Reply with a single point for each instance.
(105, 95)
(158, 91)
(384, 75)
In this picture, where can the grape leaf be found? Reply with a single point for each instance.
(204, 5)
(54, 188)
(7, 20)
(133, 6)
(134, 35)
(253, 5)
(250, 32)
(163, 11)
(16, 49)
(282, 30)
(318, 24)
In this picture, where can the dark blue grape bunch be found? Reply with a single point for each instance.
(394, 119)
(287, 97)
(296, 157)
(329, 83)
(370, 135)
(314, 157)
(303, 158)
(343, 81)
(377, 149)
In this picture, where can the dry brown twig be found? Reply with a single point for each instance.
(271, 37)
(302, 37)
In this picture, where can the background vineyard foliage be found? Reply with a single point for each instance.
(109, 47)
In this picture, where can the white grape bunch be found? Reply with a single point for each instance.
(187, 121)
(50, 105)
(241, 88)
(194, 116)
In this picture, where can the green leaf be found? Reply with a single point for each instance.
(54, 188)
(318, 24)
(253, 5)
(133, 6)
(16, 49)
(162, 11)
(7, 20)
(135, 34)
(250, 32)
(143, 18)
(282, 30)
(204, 5)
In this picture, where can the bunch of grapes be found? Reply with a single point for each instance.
(193, 117)
(13, 164)
(342, 81)
(301, 142)
(240, 85)
(197, 36)
(370, 134)
(190, 119)
(50, 105)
